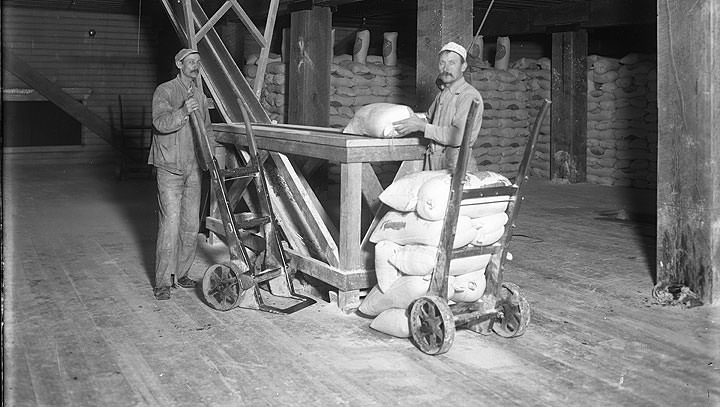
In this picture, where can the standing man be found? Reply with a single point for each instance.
(178, 173)
(447, 115)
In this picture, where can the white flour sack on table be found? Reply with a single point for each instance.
(376, 120)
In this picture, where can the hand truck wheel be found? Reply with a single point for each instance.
(224, 285)
(432, 325)
(516, 312)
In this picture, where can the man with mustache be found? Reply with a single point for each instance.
(445, 123)
(178, 173)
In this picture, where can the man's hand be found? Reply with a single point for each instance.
(409, 125)
(190, 106)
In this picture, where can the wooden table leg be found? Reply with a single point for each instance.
(347, 301)
(350, 215)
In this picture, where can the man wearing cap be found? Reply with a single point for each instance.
(447, 115)
(178, 174)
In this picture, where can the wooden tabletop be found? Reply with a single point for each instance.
(325, 143)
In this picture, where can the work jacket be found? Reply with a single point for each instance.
(173, 147)
(446, 123)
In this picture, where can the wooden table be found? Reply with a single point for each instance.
(353, 271)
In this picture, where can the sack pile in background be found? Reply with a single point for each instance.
(622, 112)
(622, 121)
(538, 89)
(512, 99)
(505, 119)
(273, 94)
(407, 240)
(354, 85)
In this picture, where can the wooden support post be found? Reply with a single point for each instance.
(309, 67)
(688, 191)
(350, 215)
(310, 50)
(568, 144)
(438, 22)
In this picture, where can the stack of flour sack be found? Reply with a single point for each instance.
(408, 236)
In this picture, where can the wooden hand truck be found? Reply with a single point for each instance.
(501, 308)
(254, 258)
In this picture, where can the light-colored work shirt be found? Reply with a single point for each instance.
(446, 124)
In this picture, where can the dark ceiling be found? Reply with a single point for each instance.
(132, 6)
(506, 16)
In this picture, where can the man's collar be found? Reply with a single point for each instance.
(456, 86)
(188, 87)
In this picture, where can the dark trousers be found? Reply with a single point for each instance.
(179, 222)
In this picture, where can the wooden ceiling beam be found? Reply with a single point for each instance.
(259, 9)
(595, 14)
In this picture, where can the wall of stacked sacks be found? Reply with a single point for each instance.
(622, 112)
(512, 100)
(622, 121)
(273, 94)
(538, 89)
(354, 85)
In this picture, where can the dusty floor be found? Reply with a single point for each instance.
(82, 327)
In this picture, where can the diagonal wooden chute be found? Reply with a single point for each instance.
(300, 217)
(226, 81)
(263, 39)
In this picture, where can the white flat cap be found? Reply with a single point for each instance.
(456, 48)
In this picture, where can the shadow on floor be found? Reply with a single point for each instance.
(638, 212)
(136, 199)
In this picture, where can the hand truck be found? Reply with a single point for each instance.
(501, 309)
(254, 258)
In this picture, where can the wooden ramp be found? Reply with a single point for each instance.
(295, 205)
(56, 95)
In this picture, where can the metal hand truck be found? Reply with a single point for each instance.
(501, 309)
(254, 258)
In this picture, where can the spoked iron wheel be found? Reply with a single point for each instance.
(432, 325)
(516, 312)
(222, 285)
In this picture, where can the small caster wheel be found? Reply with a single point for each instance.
(516, 312)
(432, 325)
(224, 285)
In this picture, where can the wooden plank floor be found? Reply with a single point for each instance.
(82, 327)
